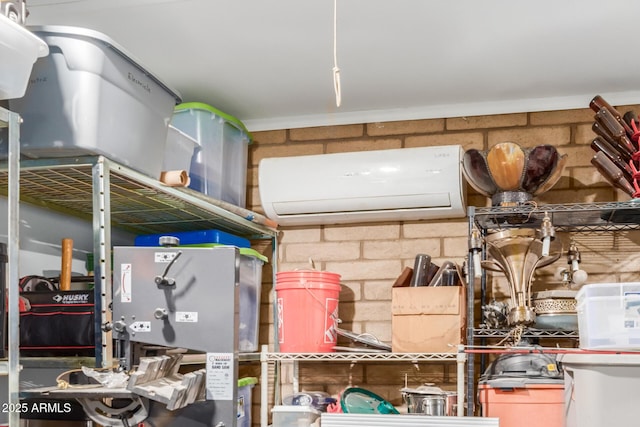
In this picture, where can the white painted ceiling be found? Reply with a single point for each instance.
(269, 62)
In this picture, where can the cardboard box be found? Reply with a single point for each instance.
(428, 319)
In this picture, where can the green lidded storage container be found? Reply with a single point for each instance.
(245, 386)
(219, 164)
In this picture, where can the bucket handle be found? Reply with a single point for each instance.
(321, 303)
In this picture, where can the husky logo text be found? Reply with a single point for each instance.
(71, 298)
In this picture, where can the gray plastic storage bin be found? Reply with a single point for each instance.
(601, 389)
(88, 97)
(219, 165)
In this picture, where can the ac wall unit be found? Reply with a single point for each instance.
(365, 186)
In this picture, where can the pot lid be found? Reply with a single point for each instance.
(423, 389)
(366, 339)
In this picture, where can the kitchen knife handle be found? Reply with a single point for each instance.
(608, 120)
(614, 128)
(599, 144)
(602, 132)
(598, 103)
(611, 173)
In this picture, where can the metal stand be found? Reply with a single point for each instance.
(98, 189)
(13, 121)
(266, 357)
(583, 218)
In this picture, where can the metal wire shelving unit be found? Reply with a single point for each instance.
(528, 333)
(576, 217)
(361, 357)
(590, 219)
(112, 195)
(266, 357)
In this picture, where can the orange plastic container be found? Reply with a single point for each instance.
(527, 406)
(307, 302)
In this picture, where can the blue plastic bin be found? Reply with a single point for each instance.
(195, 238)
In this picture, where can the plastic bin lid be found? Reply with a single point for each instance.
(229, 118)
(62, 30)
(253, 253)
(294, 408)
(194, 237)
(594, 360)
(243, 382)
(243, 251)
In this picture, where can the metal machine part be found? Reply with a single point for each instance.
(572, 276)
(475, 247)
(494, 314)
(523, 366)
(186, 298)
(136, 411)
(547, 234)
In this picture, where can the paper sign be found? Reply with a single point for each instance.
(220, 376)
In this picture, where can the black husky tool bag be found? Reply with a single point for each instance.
(58, 322)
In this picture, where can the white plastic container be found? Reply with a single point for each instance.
(19, 50)
(88, 97)
(609, 316)
(601, 389)
(251, 263)
(219, 166)
(294, 416)
(178, 151)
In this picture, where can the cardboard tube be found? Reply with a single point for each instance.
(65, 271)
(177, 178)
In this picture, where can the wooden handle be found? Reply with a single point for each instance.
(65, 271)
(598, 103)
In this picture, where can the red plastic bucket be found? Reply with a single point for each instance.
(307, 302)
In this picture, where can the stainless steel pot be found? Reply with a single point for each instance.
(429, 400)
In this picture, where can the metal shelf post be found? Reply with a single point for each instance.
(12, 120)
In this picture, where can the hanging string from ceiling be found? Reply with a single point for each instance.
(336, 70)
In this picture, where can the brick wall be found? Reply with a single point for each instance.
(370, 256)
